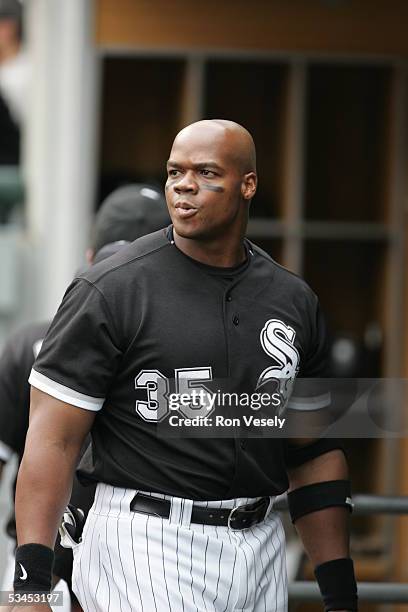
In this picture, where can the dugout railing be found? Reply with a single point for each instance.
(374, 592)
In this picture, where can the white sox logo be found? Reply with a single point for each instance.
(278, 341)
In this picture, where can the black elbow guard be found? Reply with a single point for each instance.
(319, 496)
(297, 455)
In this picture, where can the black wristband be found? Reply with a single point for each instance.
(337, 584)
(33, 570)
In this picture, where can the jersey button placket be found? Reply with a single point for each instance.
(235, 320)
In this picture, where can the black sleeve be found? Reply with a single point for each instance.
(15, 365)
(309, 408)
(311, 391)
(81, 351)
(316, 360)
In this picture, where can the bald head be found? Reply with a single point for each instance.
(232, 137)
(211, 180)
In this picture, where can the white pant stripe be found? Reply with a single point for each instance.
(120, 543)
(148, 562)
(191, 568)
(269, 560)
(99, 574)
(274, 574)
(254, 580)
(264, 572)
(106, 582)
(81, 565)
(134, 564)
(178, 571)
(106, 538)
(279, 554)
(219, 573)
(232, 582)
(163, 563)
(90, 557)
(246, 591)
(205, 570)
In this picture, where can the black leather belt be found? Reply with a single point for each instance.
(241, 517)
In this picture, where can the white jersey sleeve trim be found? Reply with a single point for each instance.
(310, 403)
(65, 394)
(5, 452)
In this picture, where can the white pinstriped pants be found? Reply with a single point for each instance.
(133, 562)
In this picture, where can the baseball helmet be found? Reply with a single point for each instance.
(10, 9)
(128, 213)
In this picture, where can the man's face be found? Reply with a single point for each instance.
(8, 33)
(205, 186)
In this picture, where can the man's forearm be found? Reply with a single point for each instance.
(54, 440)
(43, 490)
(325, 533)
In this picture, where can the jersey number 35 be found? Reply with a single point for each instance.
(160, 401)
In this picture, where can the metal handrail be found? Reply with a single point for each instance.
(378, 592)
(365, 504)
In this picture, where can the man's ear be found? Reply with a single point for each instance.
(249, 185)
(90, 254)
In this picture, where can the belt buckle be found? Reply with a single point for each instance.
(264, 502)
(230, 516)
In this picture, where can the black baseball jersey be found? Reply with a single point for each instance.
(16, 362)
(150, 319)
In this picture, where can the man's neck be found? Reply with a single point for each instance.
(217, 253)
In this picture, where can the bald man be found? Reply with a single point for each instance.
(143, 351)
